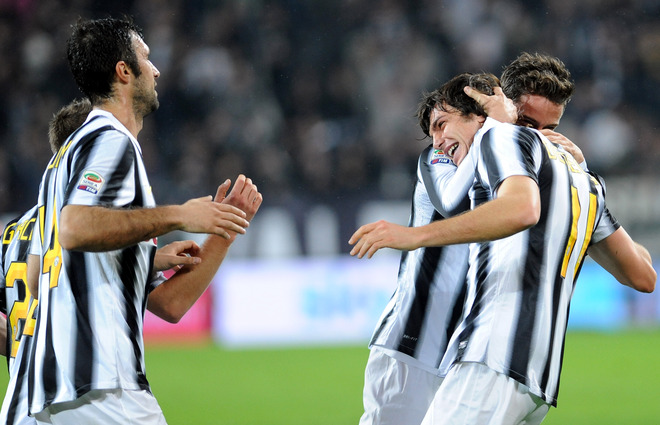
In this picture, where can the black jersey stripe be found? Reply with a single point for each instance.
(535, 254)
(49, 374)
(115, 181)
(84, 147)
(418, 309)
(133, 316)
(85, 353)
(21, 374)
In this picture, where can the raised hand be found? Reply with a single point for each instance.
(244, 195)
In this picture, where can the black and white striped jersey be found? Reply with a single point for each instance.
(91, 304)
(19, 306)
(427, 303)
(520, 287)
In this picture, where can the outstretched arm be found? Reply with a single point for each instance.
(92, 228)
(174, 297)
(516, 208)
(629, 262)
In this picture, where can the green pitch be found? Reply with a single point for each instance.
(609, 378)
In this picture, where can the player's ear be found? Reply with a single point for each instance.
(123, 71)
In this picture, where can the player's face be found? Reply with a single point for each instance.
(538, 112)
(452, 132)
(145, 97)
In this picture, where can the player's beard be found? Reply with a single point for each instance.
(145, 100)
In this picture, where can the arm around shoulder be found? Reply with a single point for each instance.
(629, 262)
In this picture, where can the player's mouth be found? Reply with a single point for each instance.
(451, 150)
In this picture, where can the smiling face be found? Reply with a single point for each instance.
(538, 112)
(452, 132)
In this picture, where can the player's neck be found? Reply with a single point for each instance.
(122, 109)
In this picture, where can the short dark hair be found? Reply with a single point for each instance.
(93, 50)
(451, 94)
(66, 121)
(538, 74)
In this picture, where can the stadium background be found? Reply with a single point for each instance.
(315, 101)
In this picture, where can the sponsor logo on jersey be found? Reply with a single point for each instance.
(91, 182)
(439, 157)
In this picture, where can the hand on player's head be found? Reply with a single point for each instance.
(497, 106)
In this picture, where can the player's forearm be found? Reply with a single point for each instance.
(33, 270)
(85, 228)
(172, 299)
(493, 220)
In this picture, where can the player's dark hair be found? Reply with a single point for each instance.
(93, 50)
(451, 94)
(537, 74)
(66, 121)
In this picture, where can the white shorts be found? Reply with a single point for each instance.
(473, 393)
(126, 407)
(395, 392)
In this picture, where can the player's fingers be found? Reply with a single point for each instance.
(356, 236)
(185, 246)
(357, 249)
(479, 97)
(239, 186)
(221, 193)
(256, 202)
(184, 260)
(372, 250)
(227, 209)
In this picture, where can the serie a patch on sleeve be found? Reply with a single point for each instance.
(91, 182)
(438, 157)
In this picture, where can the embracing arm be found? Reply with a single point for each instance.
(629, 262)
(516, 208)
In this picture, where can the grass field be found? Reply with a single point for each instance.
(609, 378)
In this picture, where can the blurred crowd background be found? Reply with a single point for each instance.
(315, 99)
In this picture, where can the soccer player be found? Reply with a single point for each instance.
(402, 376)
(97, 226)
(504, 359)
(17, 301)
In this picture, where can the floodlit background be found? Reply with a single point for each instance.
(315, 101)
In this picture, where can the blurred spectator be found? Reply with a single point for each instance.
(316, 100)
